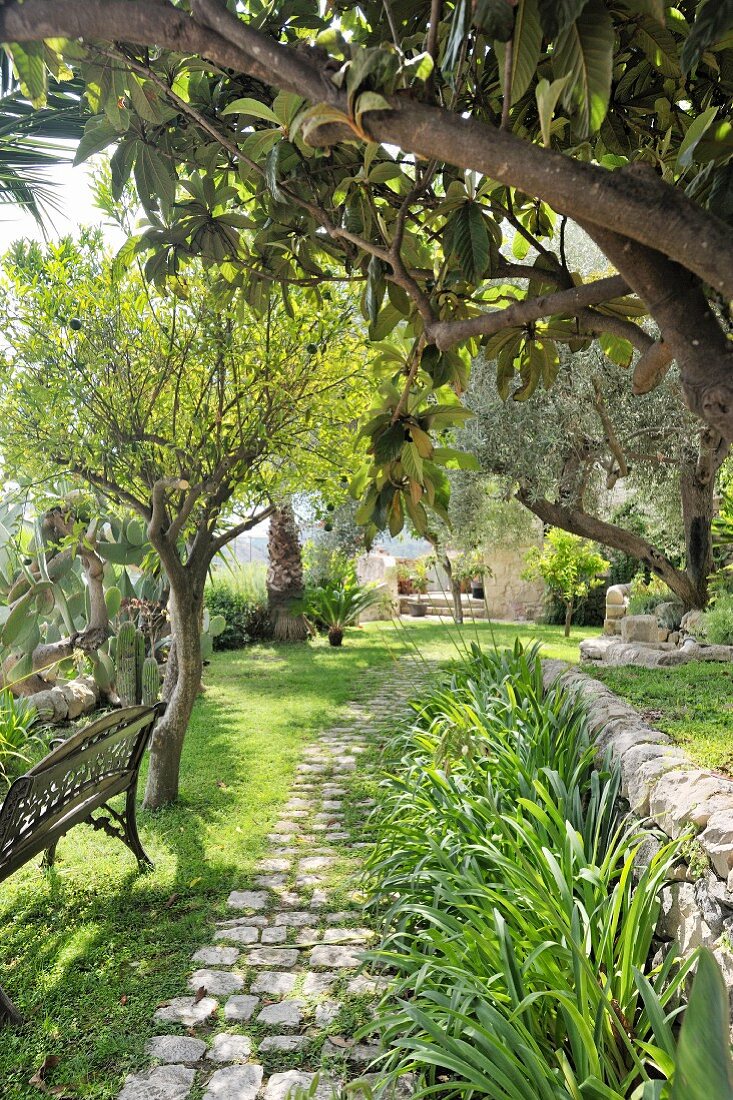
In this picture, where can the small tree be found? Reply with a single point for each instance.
(174, 407)
(568, 565)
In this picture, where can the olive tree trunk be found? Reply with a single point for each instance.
(285, 577)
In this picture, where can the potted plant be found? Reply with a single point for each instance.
(404, 579)
(336, 606)
(419, 577)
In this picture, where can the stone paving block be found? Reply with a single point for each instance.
(308, 937)
(287, 1013)
(234, 1083)
(326, 1012)
(332, 805)
(347, 935)
(240, 1007)
(274, 865)
(290, 898)
(315, 985)
(277, 934)
(361, 1053)
(287, 827)
(339, 918)
(161, 1083)
(187, 1011)
(308, 882)
(219, 983)
(178, 1049)
(230, 1048)
(284, 1043)
(319, 899)
(240, 934)
(247, 899)
(270, 882)
(295, 919)
(218, 956)
(336, 834)
(280, 1085)
(272, 956)
(272, 981)
(255, 920)
(315, 863)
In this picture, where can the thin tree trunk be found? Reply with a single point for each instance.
(180, 689)
(455, 588)
(285, 577)
(568, 616)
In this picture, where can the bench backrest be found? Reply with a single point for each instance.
(95, 764)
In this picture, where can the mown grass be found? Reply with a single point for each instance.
(693, 703)
(89, 950)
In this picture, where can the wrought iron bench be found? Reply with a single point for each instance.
(74, 780)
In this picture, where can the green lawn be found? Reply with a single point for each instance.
(693, 703)
(89, 951)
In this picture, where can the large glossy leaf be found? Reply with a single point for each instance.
(556, 15)
(704, 1065)
(714, 18)
(584, 52)
(467, 237)
(527, 43)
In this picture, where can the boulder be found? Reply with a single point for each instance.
(639, 628)
(692, 622)
(616, 595)
(717, 840)
(680, 917)
(685, 797)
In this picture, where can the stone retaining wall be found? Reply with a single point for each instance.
(665, 787)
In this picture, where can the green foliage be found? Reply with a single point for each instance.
(338, 605)
(569, 565)
(513, 920)
(264, 187)
(719, 621)
(646, 595)
(17, 718)
(240, 599)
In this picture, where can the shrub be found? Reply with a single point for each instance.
(646, 595)
(16, 721)
(516, 920)
(719, 621)
(239, 600)
(570, 567)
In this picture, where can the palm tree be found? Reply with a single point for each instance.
(285, 577)
(35, 139)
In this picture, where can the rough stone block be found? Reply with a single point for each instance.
(335, 957)
(218, 956)
(283, 1014)
(639, 628)
(178, 1049)
(247, 899)
(616, 595)
(284, 1043)
(241, 1007)
(272, 956)
(161, 1083)
(280, 1085)
(717, 840)
(270, 981)
(239, 934)
(230, 1048)
(680, 918)
(685, 797)
(234, 1083)
(220, 983)
(187, 1011)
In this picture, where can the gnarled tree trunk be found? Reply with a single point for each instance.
(285, 577)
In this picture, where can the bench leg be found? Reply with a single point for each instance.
(8, 1012)
(132, 837)
(49, 858)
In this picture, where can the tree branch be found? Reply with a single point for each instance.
(447, 333)
(246, 525)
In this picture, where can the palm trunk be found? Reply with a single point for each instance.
(285, 577)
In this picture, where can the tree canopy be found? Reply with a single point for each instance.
(171, 407)
(430, 151)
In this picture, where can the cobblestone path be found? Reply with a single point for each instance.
(278, 994)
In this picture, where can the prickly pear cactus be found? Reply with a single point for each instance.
(126, 664)
(150, 681)
(139, 662)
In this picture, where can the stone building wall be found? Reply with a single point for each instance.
(664, 787)
(376, 567)
(507, 594)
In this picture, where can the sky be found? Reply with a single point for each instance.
(74, 197)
